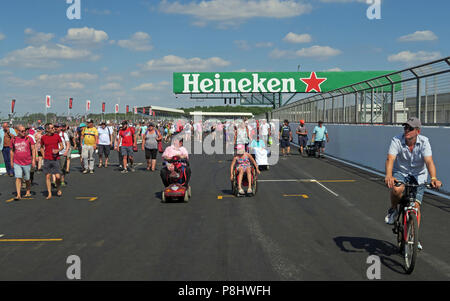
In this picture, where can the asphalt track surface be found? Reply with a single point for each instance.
(291, 230)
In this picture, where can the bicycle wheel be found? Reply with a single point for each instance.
(412, 239)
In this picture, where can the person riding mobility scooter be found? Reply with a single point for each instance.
(176, 173)
(242, 163)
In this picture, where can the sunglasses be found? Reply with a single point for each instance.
(408, 128)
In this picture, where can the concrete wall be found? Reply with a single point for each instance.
(367, 145)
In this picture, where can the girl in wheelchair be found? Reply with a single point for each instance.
(242, 163)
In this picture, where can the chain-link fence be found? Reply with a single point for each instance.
(422, 91)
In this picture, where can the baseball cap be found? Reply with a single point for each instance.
(413, 122)
(90, 121)
(240, 149)
(302, 121)
(83, 125)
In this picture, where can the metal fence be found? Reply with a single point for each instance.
(422, 90)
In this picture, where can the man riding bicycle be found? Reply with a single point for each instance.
(409, 155)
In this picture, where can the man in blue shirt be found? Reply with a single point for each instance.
(409, 155)
(318, 137)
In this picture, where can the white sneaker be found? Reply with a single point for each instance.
(391, 216)
(419, 246)
(241, 191)
(249, 191)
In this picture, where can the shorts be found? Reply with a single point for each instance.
(104, 150)
(22, 171)
(51, 167)
(320, 144)
(285, 143)
(151, 154)
(126, 151)
(302, 140)
(420, 189)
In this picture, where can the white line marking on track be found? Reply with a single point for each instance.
(326, 188)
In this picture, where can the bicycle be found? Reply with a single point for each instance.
(407, 226)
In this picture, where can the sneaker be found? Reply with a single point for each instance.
(85, 171)
(249, 191)
(241, 191)
(91, 172)
(391, 216)
(419, 246)
(132, 169)
(124, 171)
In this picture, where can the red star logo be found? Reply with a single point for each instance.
(313, 83)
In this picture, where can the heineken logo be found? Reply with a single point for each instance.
(267, 82)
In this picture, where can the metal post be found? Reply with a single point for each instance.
(418, 99)
(426, 100)
(324, 108)
(435, 101)
(343, 108)
(372, 100)
(392, 105)
(356, 107)
(332, 109)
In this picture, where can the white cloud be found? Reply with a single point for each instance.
(111, 86)
(2, 36)
(414, 57)
(85, 36)
(245, 45)
(278, 54)
(264, 45)
(315, 52)
(230, 12)
(114, 78)
(37, 38)
(176, 63)
(140, 41)
(63, 81)
(242, 44)
(425, 35)
(318, 52)
(297, 38)
(343, 1)
(151, 86)
(337, 69)
(45, 56)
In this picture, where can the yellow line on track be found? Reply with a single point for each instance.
(32, 240)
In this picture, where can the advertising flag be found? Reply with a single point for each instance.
(13, 104)
(48, 100)
(70, 103)
(117, 108)
(103, 107)
(88, 105)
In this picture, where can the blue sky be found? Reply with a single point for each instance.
(129, 49)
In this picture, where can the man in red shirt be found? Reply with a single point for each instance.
(127, 140)
(51, 145)
(23, 157)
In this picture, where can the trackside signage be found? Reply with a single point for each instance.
(268, 82)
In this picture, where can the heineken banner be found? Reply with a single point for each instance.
(269, 82)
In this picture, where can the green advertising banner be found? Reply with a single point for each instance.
(269, 82)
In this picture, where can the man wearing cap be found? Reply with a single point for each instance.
(302, 133)
(409, 155)
(127, 140)
(318, 138)
(105, 138)
(89, 137)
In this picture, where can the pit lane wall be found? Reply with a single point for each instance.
(367, 145)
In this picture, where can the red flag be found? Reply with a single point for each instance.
(88, 105)
(48, 100)
(70, 103)
(103, 107)
(128, 109)
(135, 110)
(143, 110)
(117, 108)
(13, 104)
